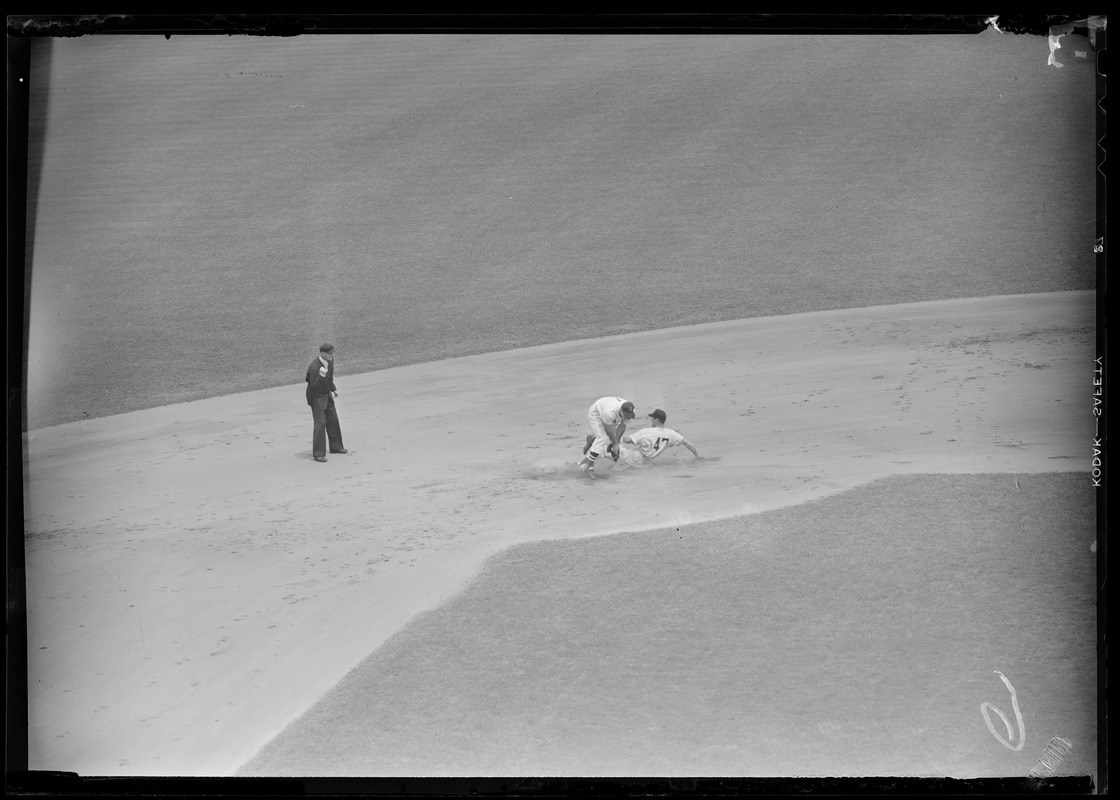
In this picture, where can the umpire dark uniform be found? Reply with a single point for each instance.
(320, 385)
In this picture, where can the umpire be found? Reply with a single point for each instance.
(320, 387)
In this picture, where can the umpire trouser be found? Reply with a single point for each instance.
(326, 426)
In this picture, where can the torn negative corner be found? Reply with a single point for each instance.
(1078, 27)
(1096, 24)
(1088, 25)
(1055, 44)
(992, 21)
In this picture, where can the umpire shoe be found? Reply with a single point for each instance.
(321, 458)
(341, 452)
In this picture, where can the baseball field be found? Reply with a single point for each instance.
(856, 272)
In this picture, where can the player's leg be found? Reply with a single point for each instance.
(598, 446)
(630, 456)
(595, 425)
(617, 437)
(334, 429)
(319, 431)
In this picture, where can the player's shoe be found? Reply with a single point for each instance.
(588, 470)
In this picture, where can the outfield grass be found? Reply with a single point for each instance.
(854, 635)
(210, 209)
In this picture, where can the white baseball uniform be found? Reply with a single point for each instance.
(604, 412)
(648, 444)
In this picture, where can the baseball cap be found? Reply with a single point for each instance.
(326, 347)
(657, 414)
(628, 409)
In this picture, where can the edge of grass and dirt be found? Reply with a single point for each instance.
(717, 648)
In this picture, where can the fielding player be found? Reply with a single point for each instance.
(607, 417)
(641, 447)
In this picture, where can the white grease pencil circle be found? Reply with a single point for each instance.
(984, 707)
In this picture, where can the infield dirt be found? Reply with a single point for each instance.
(199, 582)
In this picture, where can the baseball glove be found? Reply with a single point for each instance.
(613, 450)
